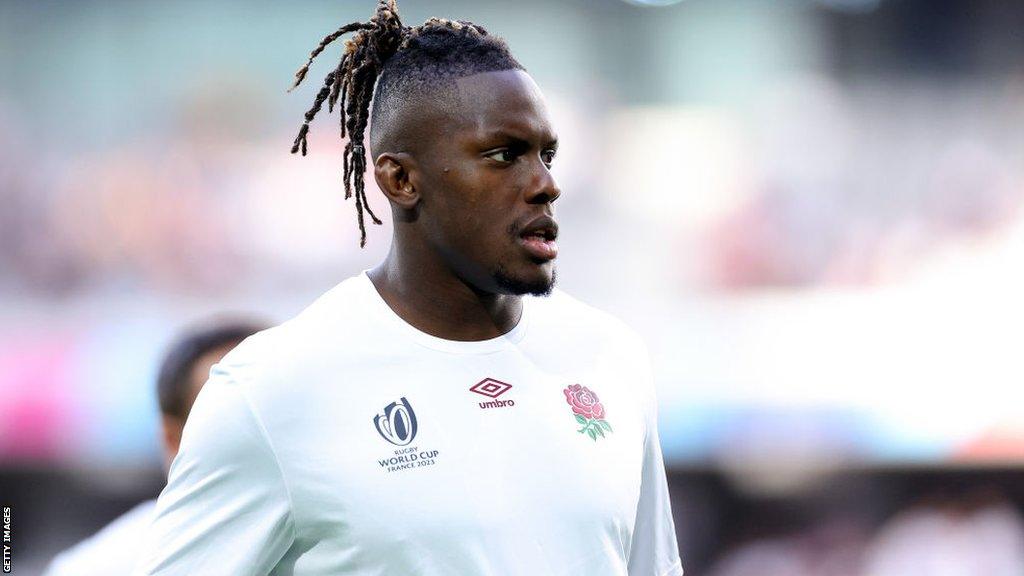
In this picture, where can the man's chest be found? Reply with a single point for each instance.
(441, 451)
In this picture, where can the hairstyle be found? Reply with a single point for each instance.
(174, 380)
(390, 64)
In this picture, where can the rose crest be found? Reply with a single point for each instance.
(588, 410)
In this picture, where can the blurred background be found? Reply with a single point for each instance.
(811, 210)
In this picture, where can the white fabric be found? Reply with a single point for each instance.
(283, 471)
(113, 551)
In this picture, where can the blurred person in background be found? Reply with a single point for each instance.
(114, 550)
(366, 435)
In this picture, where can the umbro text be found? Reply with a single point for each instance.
(498, 404)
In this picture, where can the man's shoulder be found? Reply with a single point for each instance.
(330, 320)
(274, 365)
(112, 550)
(577, 332)
(565, 313)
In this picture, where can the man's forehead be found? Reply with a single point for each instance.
(497, 86)
(505, 101)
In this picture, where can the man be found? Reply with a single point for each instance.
(433, 415)
(114, 550)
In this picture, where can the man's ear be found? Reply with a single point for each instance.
(395, 174)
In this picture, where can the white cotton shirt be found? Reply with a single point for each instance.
(347, 442)
(113, 551)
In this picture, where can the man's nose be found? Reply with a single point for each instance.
(543, 187)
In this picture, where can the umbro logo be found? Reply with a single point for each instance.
(492, 389)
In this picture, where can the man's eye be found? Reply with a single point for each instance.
(548, 156)
(505, 156)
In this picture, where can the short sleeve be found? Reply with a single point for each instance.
(653, 550)
(226, 509)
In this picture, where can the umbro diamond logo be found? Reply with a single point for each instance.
(492, 389)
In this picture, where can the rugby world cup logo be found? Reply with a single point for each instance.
(397, 424)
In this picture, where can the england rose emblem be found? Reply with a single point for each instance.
(589, 411)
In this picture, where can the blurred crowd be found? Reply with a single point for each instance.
(820, 200)
(204, 208)
(856, 189)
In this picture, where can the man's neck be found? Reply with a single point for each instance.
(434, 300)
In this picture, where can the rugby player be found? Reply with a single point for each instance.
(447, 412)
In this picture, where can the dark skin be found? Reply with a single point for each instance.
(462, 191)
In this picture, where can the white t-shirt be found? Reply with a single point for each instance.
(113, 551)
(345, 441)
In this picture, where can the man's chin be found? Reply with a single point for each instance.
(538, 285)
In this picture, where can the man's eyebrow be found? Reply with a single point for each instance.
(548, 138)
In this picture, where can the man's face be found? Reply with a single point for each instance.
(487, 189)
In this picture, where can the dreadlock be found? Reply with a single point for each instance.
(387, 63)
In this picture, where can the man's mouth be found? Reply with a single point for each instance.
(539, 238)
